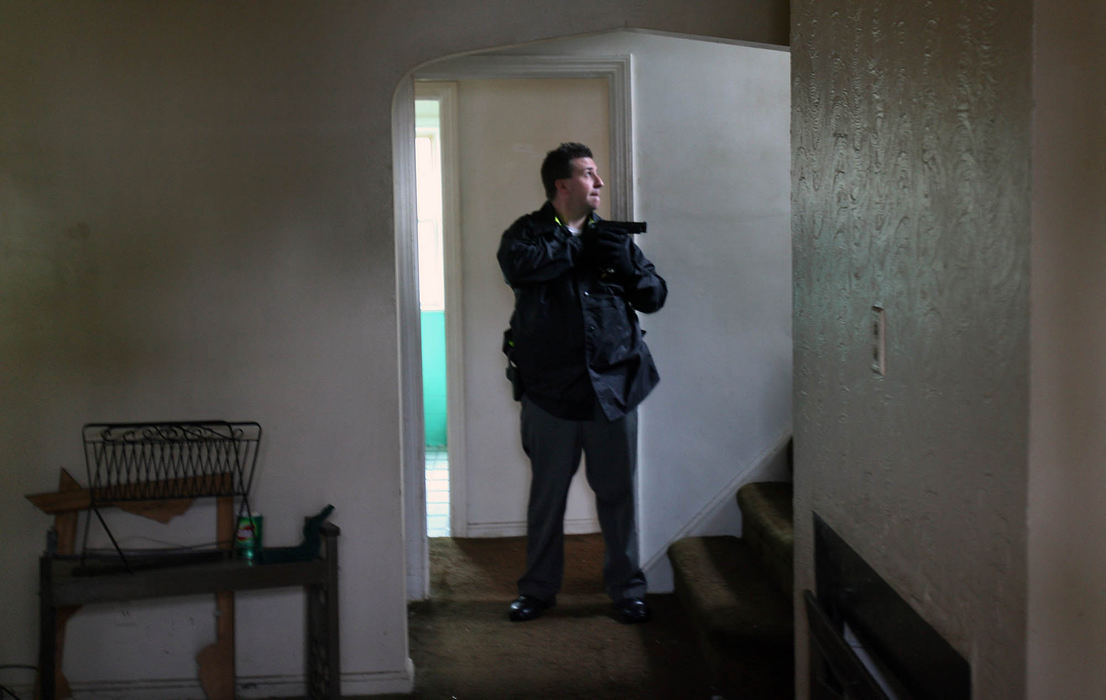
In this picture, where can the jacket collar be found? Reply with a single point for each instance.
(549, 213)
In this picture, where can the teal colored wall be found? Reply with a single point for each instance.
(433, 377)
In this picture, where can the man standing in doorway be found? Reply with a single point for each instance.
(580, 368)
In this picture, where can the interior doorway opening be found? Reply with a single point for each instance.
(711, 172)
(432, 310)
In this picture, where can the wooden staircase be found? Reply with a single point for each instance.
(738, 594)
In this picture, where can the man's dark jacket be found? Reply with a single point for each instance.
(574, 336)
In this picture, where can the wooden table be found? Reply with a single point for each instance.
(62, 586)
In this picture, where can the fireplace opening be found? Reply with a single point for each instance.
(866, 641)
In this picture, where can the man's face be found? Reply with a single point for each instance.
(581, 191)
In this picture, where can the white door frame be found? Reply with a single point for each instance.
(617, 70)
(446, 95)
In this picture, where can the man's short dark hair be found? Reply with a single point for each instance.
(558, 165)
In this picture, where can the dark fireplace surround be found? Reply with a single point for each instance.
(866, 642)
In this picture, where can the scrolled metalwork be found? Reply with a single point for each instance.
(169, 460)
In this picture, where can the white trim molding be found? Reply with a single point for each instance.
(572, 526)
(445, 93)
(412, 424)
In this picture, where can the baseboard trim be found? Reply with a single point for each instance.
(400, 681)
(380, 682)
(142, 689)
(573, 526)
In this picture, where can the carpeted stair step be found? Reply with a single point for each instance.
(744, 621)
(767, 526)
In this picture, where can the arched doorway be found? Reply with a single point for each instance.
(711, 159)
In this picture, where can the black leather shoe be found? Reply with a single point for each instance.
(632, 611)
(527, 608)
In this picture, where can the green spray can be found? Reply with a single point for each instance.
(247, 537)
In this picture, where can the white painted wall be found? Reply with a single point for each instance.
(712, 179)
(197, 220)
(505, 128)
(1067, 410)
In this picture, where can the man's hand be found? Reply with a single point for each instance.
(610, 252)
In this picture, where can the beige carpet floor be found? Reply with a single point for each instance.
(464, 647)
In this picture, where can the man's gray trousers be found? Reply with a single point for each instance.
(554, 446)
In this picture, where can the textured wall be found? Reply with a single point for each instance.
(910, 142)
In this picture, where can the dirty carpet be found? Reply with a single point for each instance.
(464, 647)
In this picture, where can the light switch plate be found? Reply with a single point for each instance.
(879, 340)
